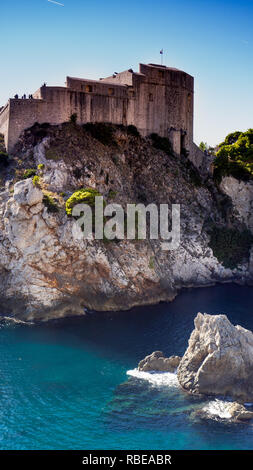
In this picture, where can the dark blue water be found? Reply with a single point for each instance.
(63, 385)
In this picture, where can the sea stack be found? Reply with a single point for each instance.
(218, 360)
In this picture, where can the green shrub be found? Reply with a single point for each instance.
(81, 196)
(230, 246)
(132, 130)
(29, 173)
(4, 159)
(39, 131)
(36, 181)
(50, 203)
(161, 143)
(101, 131)
(41, 166)
(73, 118)
(203, 146)
(235, 157)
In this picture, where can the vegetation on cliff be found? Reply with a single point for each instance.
(230, 246)
(82, 196)
(29, 173)
(161, 143)
(4, 157)
(72, 165)
(101, 131)
(235, 156)
(50, 203)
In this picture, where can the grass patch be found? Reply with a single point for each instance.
(29, 173)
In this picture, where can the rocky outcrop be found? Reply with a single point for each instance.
(218, 360)
(158, 362)
(239, 412)
(201, 160)
(241, 194)
(221, 410)
(51, 273)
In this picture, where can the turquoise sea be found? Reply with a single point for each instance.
(64, 384)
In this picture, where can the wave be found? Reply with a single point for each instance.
(168, 379)
(218, 408)
(14, 320)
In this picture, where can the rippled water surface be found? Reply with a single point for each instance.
(66, 384)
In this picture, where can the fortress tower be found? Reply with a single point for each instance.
(156, 99)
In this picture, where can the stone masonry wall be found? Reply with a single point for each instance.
(157, 99)
(4, 123)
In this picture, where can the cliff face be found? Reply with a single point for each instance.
(46, 273)
(241, 194)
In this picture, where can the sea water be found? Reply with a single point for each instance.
(74, 384)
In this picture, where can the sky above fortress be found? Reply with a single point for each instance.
(211, 40)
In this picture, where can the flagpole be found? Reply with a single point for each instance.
(161, 52)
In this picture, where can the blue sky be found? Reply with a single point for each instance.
(211, 40)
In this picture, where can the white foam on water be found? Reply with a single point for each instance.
(168, 379)
(218, 408)
(14, 320)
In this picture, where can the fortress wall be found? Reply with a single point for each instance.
(98, 87)
(124, 78)
(23, 114)
(61, 103)
(165, 103)
(4, 123)
(58, 104)
(160, 100)
(150, 109)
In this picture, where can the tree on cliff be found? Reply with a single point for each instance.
(203, 146)
(235, 156)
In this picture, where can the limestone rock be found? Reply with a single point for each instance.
(157, 361)
(50, 272)
(223, 410)
(241, 193)
(219, 359)
(239, 412)
(25, 193)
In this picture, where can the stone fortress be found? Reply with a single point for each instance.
(157, 99)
